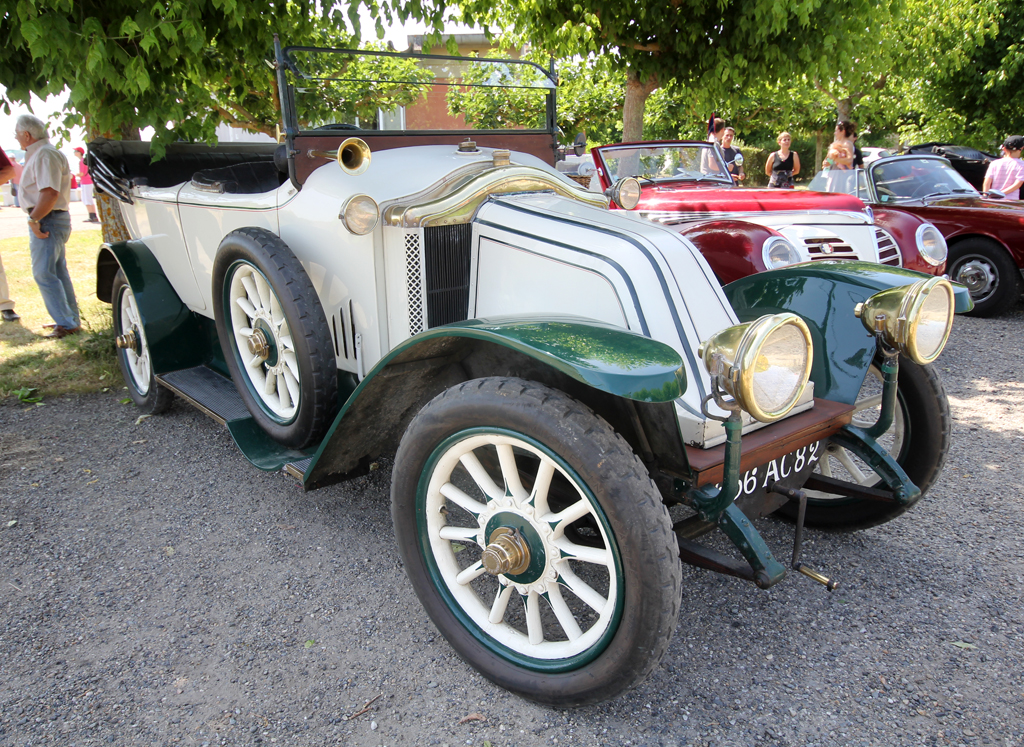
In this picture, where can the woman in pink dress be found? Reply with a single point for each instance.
(85, 182)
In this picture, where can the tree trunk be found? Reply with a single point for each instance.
(633, 107)
(844, 108)
(819, 140)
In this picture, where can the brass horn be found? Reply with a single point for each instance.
(353, 156)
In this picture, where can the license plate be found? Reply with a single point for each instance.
(790, 470)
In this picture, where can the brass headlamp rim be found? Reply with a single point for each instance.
(901, 308)
(746, 340)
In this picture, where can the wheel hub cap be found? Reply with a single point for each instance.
(507, 553)
(259, 345)
(976, 276)
(129, 341)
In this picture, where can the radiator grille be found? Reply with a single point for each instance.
(447, 260)
(888, 250)
(830, 248)
(414, 280)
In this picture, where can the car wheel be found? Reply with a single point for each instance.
(918, 438)
(989, 273)
(133, 356)
(275, 337)
(536, 541)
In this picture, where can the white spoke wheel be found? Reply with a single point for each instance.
(990, 274)
(536, 541)
(134, 358)
(275, 337)
(918, 440)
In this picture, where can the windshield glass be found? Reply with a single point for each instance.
(913, 178)
(675, 162)
(850, 182)
(343, 89)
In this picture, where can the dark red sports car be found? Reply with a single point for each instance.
(686, 184)
(985, 236)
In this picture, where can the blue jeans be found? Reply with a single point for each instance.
(50, 269)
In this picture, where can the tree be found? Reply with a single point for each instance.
(179, 66)
(714, 46)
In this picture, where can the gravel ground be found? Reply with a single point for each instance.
(158, 590)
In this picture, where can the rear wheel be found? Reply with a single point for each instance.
(918, 439)
(536, 541)
(989, 273)
(133, 357)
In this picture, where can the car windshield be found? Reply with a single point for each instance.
(845, 181)
(379, 90)
(906, 179)
(675, 162)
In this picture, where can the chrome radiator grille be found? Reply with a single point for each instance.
(888, 250)
(830, 248)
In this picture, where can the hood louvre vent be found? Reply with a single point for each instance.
(447, 255)
(888, 249)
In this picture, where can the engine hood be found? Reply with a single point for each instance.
(669, 197)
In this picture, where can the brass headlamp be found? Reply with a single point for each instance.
(915, 319)
(763, 365)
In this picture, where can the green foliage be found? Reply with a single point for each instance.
(714, 46)
(589, 98)
(179, 66)
(343, 87)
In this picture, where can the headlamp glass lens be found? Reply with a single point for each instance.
(932, 323)
(361, 215)
(779, 369)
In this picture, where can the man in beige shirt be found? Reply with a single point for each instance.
(45, 192)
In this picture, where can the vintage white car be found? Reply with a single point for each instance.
(552, 375)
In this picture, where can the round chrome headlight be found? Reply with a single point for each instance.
(360, 214)
(915, 319)
(931, 244)
(765, 363)
(625, 193)
(777, 251)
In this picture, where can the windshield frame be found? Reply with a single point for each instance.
(721, 178)
(876, 196)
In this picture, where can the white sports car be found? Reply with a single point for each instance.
(552, 375)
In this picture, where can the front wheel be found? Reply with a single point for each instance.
(989, 273)
(536, 541)
(133, 357)
(275, 337)
(918, 439)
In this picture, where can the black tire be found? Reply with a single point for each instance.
(135, 363)
(989, 272)
(299, 366)
(626, 628)
(922, 412)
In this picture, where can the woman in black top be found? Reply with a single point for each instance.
(783, 164)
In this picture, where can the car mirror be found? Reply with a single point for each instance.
(995, 194)
(738, 160)
(579, 145)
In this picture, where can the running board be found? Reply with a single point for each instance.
(216, 396)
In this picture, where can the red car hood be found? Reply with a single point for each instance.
(725, 200)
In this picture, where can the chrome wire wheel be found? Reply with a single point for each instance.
(557, 596)
(136, 358)
(264, 342)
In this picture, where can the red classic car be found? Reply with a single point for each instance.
(686, 182)
(985, 236)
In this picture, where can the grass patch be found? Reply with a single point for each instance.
(78, 364)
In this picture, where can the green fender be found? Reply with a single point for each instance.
(610, 359)
(175, 335)
(824, 294)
